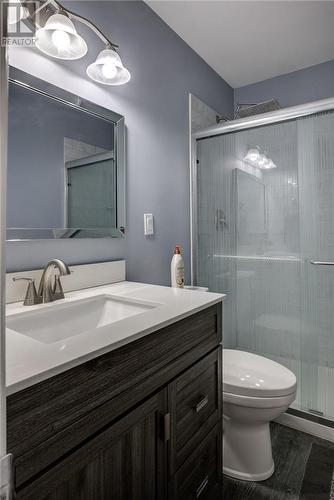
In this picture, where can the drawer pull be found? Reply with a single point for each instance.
(200, 405)
(167, 427)
(202, 486)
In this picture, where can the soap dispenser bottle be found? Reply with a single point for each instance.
(177, 269)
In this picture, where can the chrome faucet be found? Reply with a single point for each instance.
(50, 290)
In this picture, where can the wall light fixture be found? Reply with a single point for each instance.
(59, 38)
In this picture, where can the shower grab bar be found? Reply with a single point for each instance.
(321, 263)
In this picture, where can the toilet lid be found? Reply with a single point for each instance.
(248, 374)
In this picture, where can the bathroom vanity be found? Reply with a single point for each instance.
(138, 419)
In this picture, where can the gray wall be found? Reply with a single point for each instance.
(155, 105)
(298, 87)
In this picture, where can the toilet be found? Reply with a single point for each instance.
(256, 390)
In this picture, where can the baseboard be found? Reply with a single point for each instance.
(304, 425)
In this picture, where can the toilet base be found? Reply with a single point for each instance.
(247, 451)
(243, 476)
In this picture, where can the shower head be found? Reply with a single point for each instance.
(222, 118)
(244, 110)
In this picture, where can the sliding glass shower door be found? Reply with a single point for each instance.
(316, 187)
(259, 232)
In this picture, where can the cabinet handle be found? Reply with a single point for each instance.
(202, 486)
(167, 427)
(203, 402)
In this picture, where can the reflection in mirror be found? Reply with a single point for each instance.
(91, 183)
(65, 179)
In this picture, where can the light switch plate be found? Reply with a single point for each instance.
(148, 224)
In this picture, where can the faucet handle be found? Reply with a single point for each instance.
(31, 297)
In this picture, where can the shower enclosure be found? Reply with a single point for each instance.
(265, 237)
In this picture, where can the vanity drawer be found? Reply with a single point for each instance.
(194, 399)
(200, 476)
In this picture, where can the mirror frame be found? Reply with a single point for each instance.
(46, 89)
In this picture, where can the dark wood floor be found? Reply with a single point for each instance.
(297, 475)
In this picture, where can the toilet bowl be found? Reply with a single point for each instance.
(256, 390)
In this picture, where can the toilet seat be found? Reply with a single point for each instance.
(258, 402)
(250, 375)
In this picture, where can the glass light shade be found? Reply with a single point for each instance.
(108, 69)
(59, 39)
(259, 160)
(16, 12)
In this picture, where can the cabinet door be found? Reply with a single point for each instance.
(126, 461)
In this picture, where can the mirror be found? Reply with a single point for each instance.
(65, 164)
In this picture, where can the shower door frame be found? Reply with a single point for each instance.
(279, 116)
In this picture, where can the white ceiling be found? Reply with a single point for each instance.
(246, 41)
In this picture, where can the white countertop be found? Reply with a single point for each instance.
(29, 361)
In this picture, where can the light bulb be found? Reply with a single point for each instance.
(253, 154)
(109, 70)
(61, 39)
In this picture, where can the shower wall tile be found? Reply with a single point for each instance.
(202, 115)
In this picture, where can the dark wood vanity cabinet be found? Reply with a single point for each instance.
(142, 422)
(123, 461)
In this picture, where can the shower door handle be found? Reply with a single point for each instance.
(220, 218)
(321, 263)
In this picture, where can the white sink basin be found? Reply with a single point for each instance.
(57, 322)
